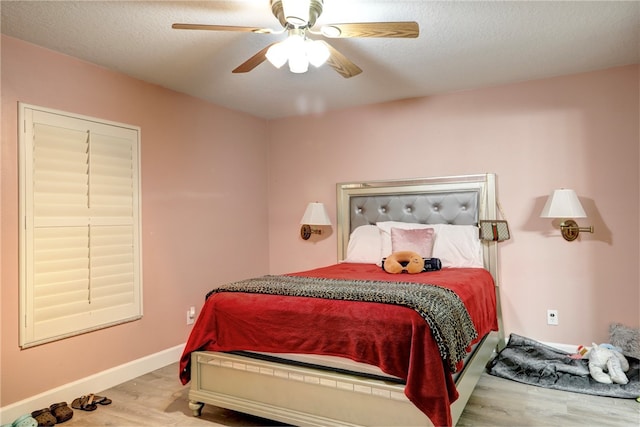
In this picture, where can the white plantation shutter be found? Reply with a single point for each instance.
(80, 244)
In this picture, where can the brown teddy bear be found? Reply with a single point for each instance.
(403, 261)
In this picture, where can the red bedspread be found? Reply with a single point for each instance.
(394, 338)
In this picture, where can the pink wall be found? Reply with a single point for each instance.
(203, 181)
(579, 131)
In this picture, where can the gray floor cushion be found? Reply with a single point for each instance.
(531, 362)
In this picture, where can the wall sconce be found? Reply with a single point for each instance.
(564, 203)
(316, 214)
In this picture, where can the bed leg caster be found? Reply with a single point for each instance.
(196, 407)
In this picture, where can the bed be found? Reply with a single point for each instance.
(295, 355)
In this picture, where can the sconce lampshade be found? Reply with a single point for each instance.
(563, 203)
(315, 214)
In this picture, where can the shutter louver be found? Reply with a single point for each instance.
(111, 179)
(60, 179)
(112, 270)
(81, 244)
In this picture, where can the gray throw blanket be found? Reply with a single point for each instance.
(530, 362)
(442, 309)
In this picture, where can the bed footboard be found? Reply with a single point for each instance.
(297, 395)
(311, 397)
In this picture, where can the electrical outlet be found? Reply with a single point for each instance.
(191, 315)
(552, 317)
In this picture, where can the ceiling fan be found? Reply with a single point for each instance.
(297, 18)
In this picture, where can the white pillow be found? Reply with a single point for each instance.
(455, 245)
(364, 245)
(458, 246)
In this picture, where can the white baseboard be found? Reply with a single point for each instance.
(93, 383)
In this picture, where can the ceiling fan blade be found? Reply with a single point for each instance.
(341, 63)
(221, 28)
(253, 62)
(372, 29)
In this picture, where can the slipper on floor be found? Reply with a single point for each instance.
(84, 402)
(25, 421)
(101, 400)
(61, 411)
(44, 417)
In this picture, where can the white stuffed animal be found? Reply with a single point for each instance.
(607, 364)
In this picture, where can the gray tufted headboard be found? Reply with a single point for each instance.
(460, 200)
(455, 207)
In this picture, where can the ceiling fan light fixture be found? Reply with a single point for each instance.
(296, 12)
(317, 52)
(277, 54)
(297, 52)
(298, 64)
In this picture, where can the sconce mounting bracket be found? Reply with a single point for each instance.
(305, 231)
(570, 230)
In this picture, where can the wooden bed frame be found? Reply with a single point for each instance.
(301, 395)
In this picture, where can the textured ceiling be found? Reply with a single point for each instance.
(462, 45)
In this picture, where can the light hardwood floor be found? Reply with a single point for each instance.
(158, 399)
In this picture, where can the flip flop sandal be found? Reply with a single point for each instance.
(85, 403)
(101, 400)
(61, 411)
(44, 417)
